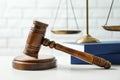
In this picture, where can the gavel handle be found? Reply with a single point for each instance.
(87, 57)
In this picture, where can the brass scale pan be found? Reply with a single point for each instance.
(65, 31)
(112, 27)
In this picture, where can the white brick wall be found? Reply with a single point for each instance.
(16, 17)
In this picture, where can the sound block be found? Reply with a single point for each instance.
(25, 62)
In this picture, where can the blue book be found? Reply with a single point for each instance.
(109, 50)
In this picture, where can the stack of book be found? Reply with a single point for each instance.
(109, 50)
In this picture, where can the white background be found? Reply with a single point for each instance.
(16, 17)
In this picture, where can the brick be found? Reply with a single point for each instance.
(54, 3)
(81, 23)
(47, 3)
(12, 13)
(3, 23)
(92, 3)
(107, 4)
(2, 10)
(100, 33)
(116, 35)
(65, 38)
(116, 13)
(98, 13)
(11, 52)
(19, 23)
(116, 4)
(111, 21)
(10, 33)
(100, 22)
(3, 43)
(62, 13)
(14, 23)
(21, 3)
(16, 43)
(2, 4)
(79, 3)
(25, 32)
(82, 3)
(61, 23)
(104, 4)
(37, 13)
(114, 21)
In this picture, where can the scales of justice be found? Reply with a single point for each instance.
(87, 38)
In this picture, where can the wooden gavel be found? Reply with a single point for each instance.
(36, 39)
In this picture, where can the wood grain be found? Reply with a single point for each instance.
(87, 57)
(25, 62)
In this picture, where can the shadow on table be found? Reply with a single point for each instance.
(83, 68)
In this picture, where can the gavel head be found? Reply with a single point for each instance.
(35, 38)
(31, 60)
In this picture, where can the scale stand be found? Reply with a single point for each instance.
(87, 38)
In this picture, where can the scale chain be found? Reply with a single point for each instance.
(109, 12)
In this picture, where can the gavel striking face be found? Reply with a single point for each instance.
(36, 39)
